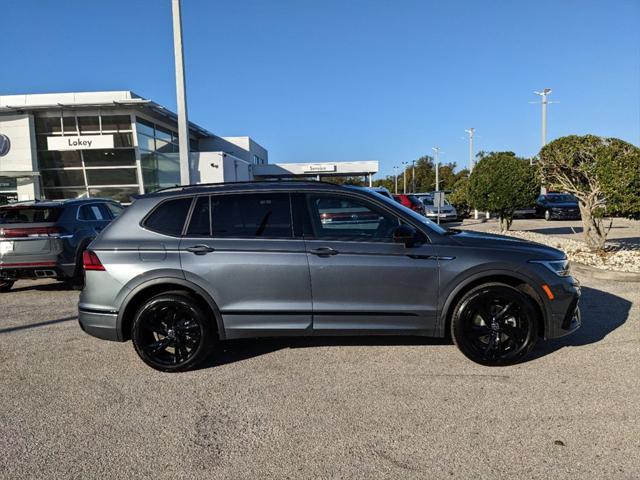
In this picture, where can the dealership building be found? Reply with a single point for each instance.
(118, 144)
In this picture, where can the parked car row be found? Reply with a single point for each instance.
(46, 239)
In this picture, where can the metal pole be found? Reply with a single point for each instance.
(437, 161)
(404, 177)
(413, 176)
(544, 118)
(395, 171)
(470, 132)
(370, 180)
(181, 95)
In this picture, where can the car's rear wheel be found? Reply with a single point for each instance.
(495, 324)
(173, 332)
(5, 285)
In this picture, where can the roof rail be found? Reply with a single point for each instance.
(244, 182)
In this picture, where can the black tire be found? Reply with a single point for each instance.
(172, 332)
(5, 285)
(547, 215)
(495, 324)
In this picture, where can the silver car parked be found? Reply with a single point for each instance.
(184, 268)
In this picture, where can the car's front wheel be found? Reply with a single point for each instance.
(5, 285)
(173, 332)
(495, 324)
(547, 215)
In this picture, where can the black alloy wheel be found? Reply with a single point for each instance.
(495, 324)
(5, 285)
(172, 332)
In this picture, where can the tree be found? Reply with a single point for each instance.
(502, 183)
(602, 173)
(459, 197)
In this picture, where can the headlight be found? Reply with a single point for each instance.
(559, 267)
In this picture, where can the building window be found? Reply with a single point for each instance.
(159, 159)
(82, 173)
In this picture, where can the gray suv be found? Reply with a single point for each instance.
(184, 268)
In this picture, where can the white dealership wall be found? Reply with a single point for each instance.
(21, 156)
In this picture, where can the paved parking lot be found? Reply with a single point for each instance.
(76, 407)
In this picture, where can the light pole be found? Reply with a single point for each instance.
(544, 102)
(470, 131)
(395, 173)
(437, 162)
(413, 176)
(404, 177)
(181, 95)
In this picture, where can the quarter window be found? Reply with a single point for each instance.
(169, 217)
(349, 219)
(256, 215)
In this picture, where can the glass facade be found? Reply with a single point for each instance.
(118, 172)
(100, 172)
(159, 159)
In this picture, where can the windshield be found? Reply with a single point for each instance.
(29, 214)
(414, 215)
(427, 200)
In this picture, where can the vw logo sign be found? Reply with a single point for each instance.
(5, 145)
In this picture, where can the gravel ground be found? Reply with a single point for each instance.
(623, 245)
(78, 407)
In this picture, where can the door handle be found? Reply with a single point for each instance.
(324, 251)
(200, 249)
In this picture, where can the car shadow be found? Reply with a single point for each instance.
(232, 351)
(43, 287)
(601, 313)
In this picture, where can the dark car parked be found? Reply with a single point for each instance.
(560, 206)
(184, 268)
(46, 239)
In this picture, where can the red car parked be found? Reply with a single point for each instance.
(410, 201)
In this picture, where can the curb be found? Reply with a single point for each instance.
(600, 274)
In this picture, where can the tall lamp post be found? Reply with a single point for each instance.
(470, 131)
(437, 162)
(413, 176)
(395, 174)
(544, 101)
(404, 177)
(181, 95)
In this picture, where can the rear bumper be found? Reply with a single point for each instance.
(30, 270)
(100, 324)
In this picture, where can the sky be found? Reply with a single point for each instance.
(345, 80)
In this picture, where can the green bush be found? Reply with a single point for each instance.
(501, 183)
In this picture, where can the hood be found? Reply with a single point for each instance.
(502, 242)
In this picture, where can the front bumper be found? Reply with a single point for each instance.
(565, 315)
(99, 324)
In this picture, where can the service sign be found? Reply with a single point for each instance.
(320, 168)
(82, 142)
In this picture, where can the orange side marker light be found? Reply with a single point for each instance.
(548, 291)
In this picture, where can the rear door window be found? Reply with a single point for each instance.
(252, 215)
(169, 217)
(200, 224)
(29, 214)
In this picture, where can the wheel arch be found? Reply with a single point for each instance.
(143, 292)
(511, 278)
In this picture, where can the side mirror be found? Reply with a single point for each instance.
(405, 234)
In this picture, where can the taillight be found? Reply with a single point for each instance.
(90, 261)
(26, 232)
